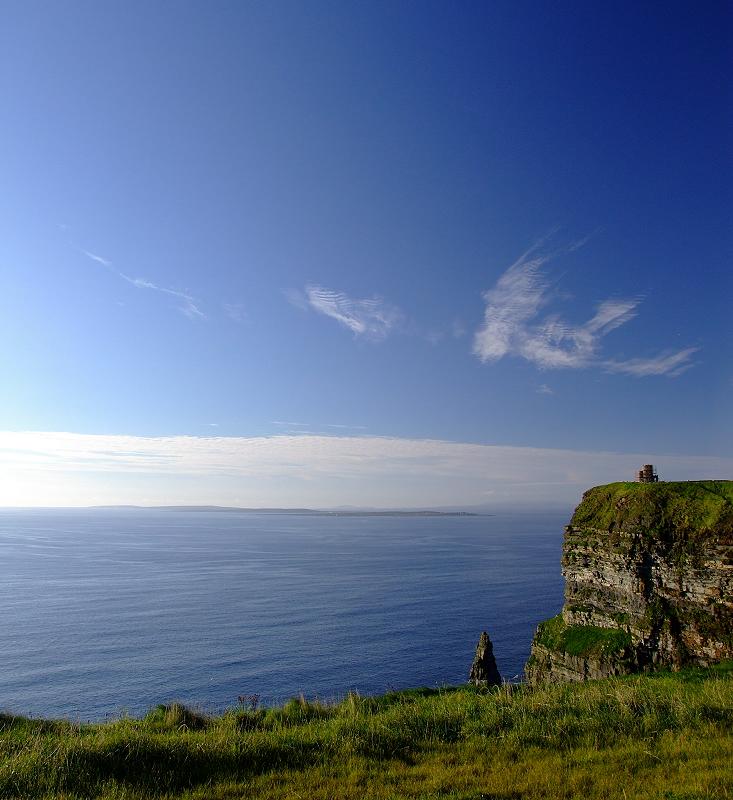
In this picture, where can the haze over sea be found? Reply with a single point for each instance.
(114, 611)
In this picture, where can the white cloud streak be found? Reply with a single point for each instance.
(98, 259)
(669, 363)
(62, 469)
(513, 325)
(371, 318)
(188, 305)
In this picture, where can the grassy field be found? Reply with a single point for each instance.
(666, 736)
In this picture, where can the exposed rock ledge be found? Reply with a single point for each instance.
(648, 583)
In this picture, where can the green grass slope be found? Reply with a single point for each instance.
(663, 737)
(585, 641)
(690, 510)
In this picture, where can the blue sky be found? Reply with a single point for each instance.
(305, 227)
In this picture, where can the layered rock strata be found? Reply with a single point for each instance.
(648, 583)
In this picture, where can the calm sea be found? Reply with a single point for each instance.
(111, 612)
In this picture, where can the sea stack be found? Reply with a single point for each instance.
(483, 670)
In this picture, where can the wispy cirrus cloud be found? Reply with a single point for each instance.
(668, 363)
(98, 259)
(514, 324)
(188, 305)
(371, 318)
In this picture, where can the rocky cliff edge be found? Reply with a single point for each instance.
(648, 583)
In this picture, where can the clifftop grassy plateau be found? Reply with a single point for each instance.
(679, 511)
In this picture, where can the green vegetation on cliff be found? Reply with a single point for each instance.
(661, 737)
(699, 505)
(585, 641)
(687, 510)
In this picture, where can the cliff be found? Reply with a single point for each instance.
(648, 583)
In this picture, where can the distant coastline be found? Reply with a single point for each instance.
(310, 511)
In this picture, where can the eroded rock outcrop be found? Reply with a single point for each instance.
(484, 671)
(648, 582)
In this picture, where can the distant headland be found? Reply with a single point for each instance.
(310, 511)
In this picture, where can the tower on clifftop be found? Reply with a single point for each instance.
(647, 474)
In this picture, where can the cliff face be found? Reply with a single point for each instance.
(648, 582)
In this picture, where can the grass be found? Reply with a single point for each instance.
(664, 736)
(682, 514)
(587, 641)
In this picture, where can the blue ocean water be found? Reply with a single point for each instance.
(107, 612)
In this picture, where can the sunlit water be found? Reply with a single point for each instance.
(111, 612)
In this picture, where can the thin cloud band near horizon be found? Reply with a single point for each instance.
(72, 469)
